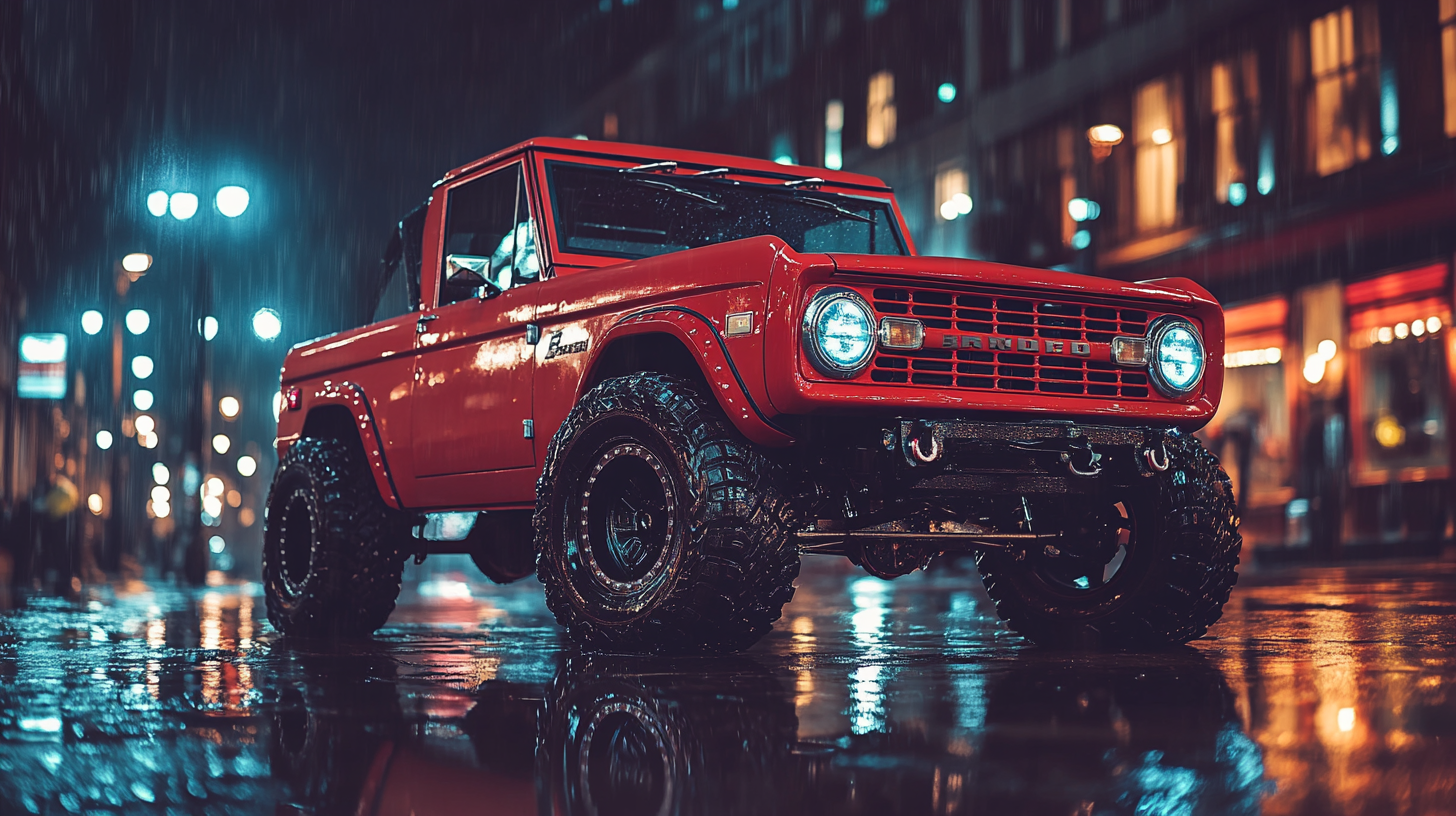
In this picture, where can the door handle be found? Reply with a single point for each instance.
(533, 334)
(422, 320)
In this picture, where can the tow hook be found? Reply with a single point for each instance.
(921, 442)
(1081, 460)
(1156, 456)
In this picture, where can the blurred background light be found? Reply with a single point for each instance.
(209, 328)
(95, 504)
(160, 474)
(142, 366)
(221, 443)
(142, 399)
(92, 321)
(232, 201)
(946, 92)
(228, 407)
(183, 206)
(137, 321)
(144, 424)
(216, 544)
(266, 324)
(157, 203)
(247, 465)
(136, 262)
(104, 439)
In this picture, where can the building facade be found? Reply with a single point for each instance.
(1298, 159)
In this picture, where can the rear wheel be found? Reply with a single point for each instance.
(658, 527)
(333, 552)
(1147, 567)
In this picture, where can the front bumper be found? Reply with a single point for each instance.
(1021, 458)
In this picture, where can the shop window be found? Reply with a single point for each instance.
(1234, 100)
(880, 129)
(1448, 61)
(1251, 432)
(1158, 144)
(1399, 375)
(1344, 51)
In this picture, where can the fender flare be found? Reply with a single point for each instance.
(711, 355)
(352, 398)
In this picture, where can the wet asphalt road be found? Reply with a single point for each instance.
(1322, 691)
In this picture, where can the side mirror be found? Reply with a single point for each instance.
(465, 274)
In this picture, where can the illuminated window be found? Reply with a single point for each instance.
(1234, 95)
(609, 126)
(834, 134)
(1157, 139)
(952, 193)
(880, 129)
(1342, 64)
(1448, 61)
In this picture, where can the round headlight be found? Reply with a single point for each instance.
(839, 333)
(1178, 357)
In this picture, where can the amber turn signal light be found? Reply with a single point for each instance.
(901, 333)
(1130, 351)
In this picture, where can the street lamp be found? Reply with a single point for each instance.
(183, 206)
(266, 324)
(232, 201)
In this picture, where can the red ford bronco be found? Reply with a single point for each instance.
(657, 378)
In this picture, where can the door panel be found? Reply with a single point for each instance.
(472, 390)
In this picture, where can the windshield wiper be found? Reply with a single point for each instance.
(826, 204)
(673, 188)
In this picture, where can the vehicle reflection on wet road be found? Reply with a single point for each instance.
(1322, 691)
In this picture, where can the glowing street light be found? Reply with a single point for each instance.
(92, 322)
(228, 407)
(143, 399)
(183, 206)
(232, 201)
(1103, 138)
(137, 321)
(157, 203)
(104, 439)
(136, 263)
(221, 443)
(144, 424)
(266, 324)
(95, 504)
(142, 366)
(247, 466)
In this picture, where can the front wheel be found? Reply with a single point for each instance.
(1141, 568)
(333, 552)
(658, 527)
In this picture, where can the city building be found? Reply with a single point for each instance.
(1297, 159)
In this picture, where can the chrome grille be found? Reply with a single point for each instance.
(1010, 371)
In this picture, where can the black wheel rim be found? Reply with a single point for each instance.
(295, 542)
(1093, 559)
(622, 529)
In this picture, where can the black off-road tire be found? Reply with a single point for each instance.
(1172, 587)
(726, 565)
(333, 552)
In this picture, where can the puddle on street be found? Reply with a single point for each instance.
(1322, 691)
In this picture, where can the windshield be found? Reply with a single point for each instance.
(605, 211)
